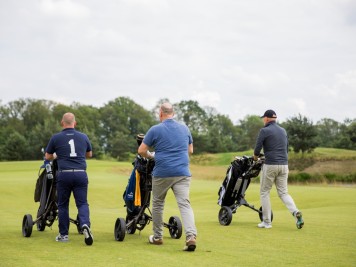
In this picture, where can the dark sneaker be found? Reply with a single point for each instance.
(62, 238)
(155, 241)
(299, 220)
(190, 243)
(89, 239)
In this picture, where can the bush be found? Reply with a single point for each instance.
(300, 163)
(303, 177)
(299, 177)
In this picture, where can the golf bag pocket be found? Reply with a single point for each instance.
(38, 188)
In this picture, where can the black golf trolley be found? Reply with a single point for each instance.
(137, 201)
(46, 195)
(232, 191)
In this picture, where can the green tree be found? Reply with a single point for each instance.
(328, 132)
(122, 117)
(302, 134)
(13, 114)
(351, 131)
(15, 147)
(248, 130)
(347, 135)
(221, 135)
(39, 135)
(36, 112)
(192, 115)
(121, 145)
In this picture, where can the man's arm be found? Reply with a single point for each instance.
(190, 148)
(49, 156)
(143, 151)
(258, 146)
(89, 154)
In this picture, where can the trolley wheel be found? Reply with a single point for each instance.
(175, 227)
(261, 216)
(41, 223)
(225, 215)
(119, 230)
(132, 228)
(27, 224)
(77, 223)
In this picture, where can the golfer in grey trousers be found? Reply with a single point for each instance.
(274, 141)
(173, 143)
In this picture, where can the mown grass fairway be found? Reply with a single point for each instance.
(327, 239)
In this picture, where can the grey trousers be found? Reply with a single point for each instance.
(180, 186)
(277, 174)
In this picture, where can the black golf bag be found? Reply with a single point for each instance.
(46, 194)
(237, 180)
(137, 197)
(139, 187)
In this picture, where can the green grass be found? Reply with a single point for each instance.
(327, 239)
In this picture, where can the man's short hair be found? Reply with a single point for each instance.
(167, 108)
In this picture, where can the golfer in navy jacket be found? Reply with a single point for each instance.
(71, 148)
(274, 141)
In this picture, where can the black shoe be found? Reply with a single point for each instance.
(89, 239)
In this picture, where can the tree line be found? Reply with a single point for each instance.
(26, 126)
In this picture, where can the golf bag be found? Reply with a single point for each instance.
(232, 191)
(137, 196)
(139, 185)
(46, 194)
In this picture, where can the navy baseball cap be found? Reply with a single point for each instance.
(269, 114)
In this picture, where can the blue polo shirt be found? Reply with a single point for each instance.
(71, 147)
(170, 139)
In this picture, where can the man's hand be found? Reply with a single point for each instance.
(150, 155)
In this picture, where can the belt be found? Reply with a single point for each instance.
(72, 170)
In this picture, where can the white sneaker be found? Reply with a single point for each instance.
(62, 238)
(264, 225)
(155, 241)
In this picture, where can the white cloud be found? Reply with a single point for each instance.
(64, 8)
(241, 57)
(206, 98)
(346, 81)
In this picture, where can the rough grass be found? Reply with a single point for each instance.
(324, 165)
(328, 238)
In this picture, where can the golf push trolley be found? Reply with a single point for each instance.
(232, 191)
(46, 195)
(137, 201)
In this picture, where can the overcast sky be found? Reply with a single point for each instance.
(239, 56)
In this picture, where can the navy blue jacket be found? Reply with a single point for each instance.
(71, 147)
(274, 141)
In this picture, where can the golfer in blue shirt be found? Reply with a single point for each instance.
(71, 148)
(173, 143)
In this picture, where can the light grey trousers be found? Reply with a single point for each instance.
(180, 186)
(277, 174)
